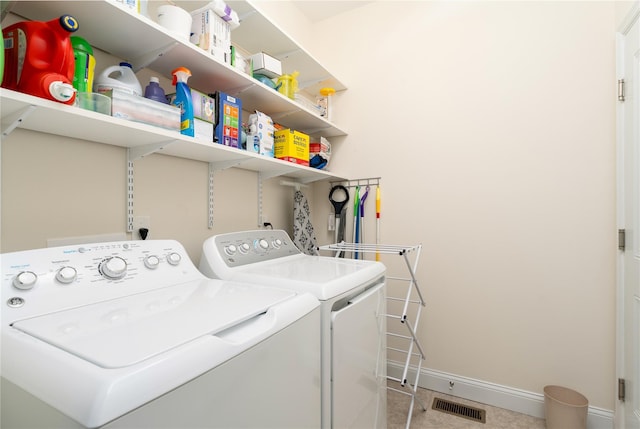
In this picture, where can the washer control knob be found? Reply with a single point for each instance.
(25, 280)
(113, 268)
(66, 275)
(277, 243)
(261, 245)
(244, 248)
(151, 262)
(174, 258)
(230, 249)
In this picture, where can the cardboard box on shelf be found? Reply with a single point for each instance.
(266, 65)
(292, 146)
(203, 129)
(319, 153)
(211, 33)
(260, 138)
(228, 120)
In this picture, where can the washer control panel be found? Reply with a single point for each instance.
(248, 247)
(45, 280)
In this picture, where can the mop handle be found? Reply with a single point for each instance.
(377, 220)
(356, 214)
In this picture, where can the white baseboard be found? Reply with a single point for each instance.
(509, 398)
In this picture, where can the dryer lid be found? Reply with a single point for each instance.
(324, 277)
(128, 330)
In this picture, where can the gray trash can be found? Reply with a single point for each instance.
(565, 408)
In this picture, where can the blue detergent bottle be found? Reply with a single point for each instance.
(183, 100)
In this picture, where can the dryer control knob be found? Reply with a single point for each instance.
(174, 258)
(25, 280)
(244, 248)
(277, 243)
(151, 262)
(66, 275)
(113, 268)
(262, 245)
(230, 250)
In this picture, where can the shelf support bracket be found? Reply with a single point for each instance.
(223, 165)
(146, 59)
(138, 152)
(17, 119)
(133, 154)
(213, 166)
(284, 114)
(262, 176)
(240, 89)
(265, 175)
(260, 223)
(316, 130)
(212, 170)
(129, 191)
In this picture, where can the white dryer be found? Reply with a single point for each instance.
(131, 334)
(352, 297)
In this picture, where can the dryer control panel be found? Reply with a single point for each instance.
(46, 280)
(249, 247)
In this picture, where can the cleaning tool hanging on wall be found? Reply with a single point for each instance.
(303, 235)
(361, 219)
(356, 215)
(378, 220)
(340, 212)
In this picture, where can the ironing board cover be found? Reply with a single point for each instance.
(303, 235)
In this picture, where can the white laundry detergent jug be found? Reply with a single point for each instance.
(118, 77)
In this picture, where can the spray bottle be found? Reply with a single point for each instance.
(183, 100)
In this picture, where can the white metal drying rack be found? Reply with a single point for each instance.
(418, 304)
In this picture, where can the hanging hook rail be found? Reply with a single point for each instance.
(368, 181)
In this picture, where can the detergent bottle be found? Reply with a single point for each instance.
(288, 84)
(39, 58)
(85, 64)
(183, 100)
(154, 91)
(119, 77)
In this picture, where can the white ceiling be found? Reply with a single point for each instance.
(318, 10)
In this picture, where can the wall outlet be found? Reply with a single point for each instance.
(141, 222)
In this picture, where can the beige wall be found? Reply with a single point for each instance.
(492, 127)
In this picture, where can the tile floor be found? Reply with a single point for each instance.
(496, 418)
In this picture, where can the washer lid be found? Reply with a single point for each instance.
(128, 330)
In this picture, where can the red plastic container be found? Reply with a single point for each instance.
(39, 58)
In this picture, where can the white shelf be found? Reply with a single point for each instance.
(278, 44)
(131, 36)
(49, 117)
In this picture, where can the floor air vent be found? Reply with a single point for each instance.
(460, 410)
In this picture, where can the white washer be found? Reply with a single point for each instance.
(131, 334)
(352, 296)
